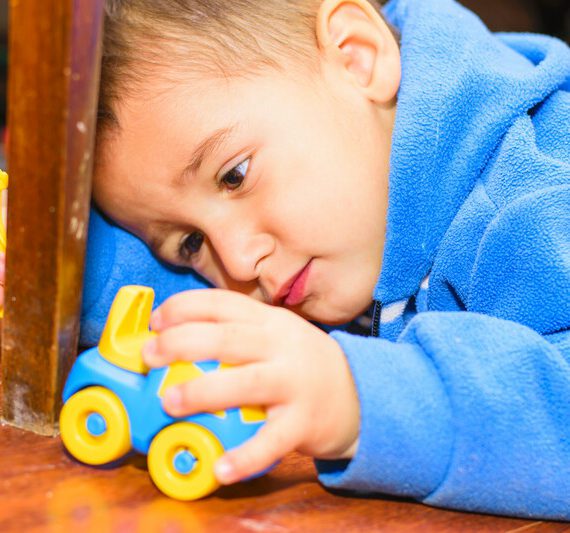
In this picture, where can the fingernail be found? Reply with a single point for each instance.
(173, 400)
(156, 319)
(224, 472)
(149, 352)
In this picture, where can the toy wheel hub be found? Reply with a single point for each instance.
(184, 462)
(96, 424)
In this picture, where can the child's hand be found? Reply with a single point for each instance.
(292, 368)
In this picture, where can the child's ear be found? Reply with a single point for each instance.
(354, 36)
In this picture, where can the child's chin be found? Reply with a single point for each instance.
(331, 317)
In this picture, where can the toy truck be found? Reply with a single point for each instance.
(112, 404)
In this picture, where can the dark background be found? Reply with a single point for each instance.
(544, 16)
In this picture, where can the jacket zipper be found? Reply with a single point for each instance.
(376, 311)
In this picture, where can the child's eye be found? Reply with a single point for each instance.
(233, 179)
(190, 245)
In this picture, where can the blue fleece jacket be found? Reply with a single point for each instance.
(465, 397)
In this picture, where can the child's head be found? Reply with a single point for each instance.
(250, 139)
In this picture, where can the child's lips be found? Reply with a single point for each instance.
(293, 291)
(297, 291)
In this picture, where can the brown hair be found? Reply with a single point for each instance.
(218, 37)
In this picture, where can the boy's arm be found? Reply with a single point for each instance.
(471, 411)
(465, 411)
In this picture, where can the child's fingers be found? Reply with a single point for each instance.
(272, 442)
(215, 391)
(198, 341)
(215, 305)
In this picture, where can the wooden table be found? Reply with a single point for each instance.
(44, 489)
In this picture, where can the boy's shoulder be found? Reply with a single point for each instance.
(533, 154)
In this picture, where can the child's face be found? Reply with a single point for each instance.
(274, 185)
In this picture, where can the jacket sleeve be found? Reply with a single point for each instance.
(471, 410)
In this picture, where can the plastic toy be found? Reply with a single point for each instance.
(3, 187)
(113, 404)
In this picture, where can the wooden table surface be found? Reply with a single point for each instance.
(44, 489)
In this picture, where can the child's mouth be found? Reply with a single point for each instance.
(296, 293)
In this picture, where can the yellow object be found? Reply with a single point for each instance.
(3, 187)
(252, 414)
(112, 443)
(177, 373)
(189, 441)
(126, 330)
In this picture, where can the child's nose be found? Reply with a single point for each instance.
(242, 252)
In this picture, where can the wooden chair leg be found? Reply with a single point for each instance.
(54, 60)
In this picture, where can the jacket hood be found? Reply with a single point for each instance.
(462, 88)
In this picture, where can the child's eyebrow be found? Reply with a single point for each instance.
(204, 150)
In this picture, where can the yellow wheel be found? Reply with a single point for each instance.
(95, 426)
(181, 461)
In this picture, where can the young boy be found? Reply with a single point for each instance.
(300, 154)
